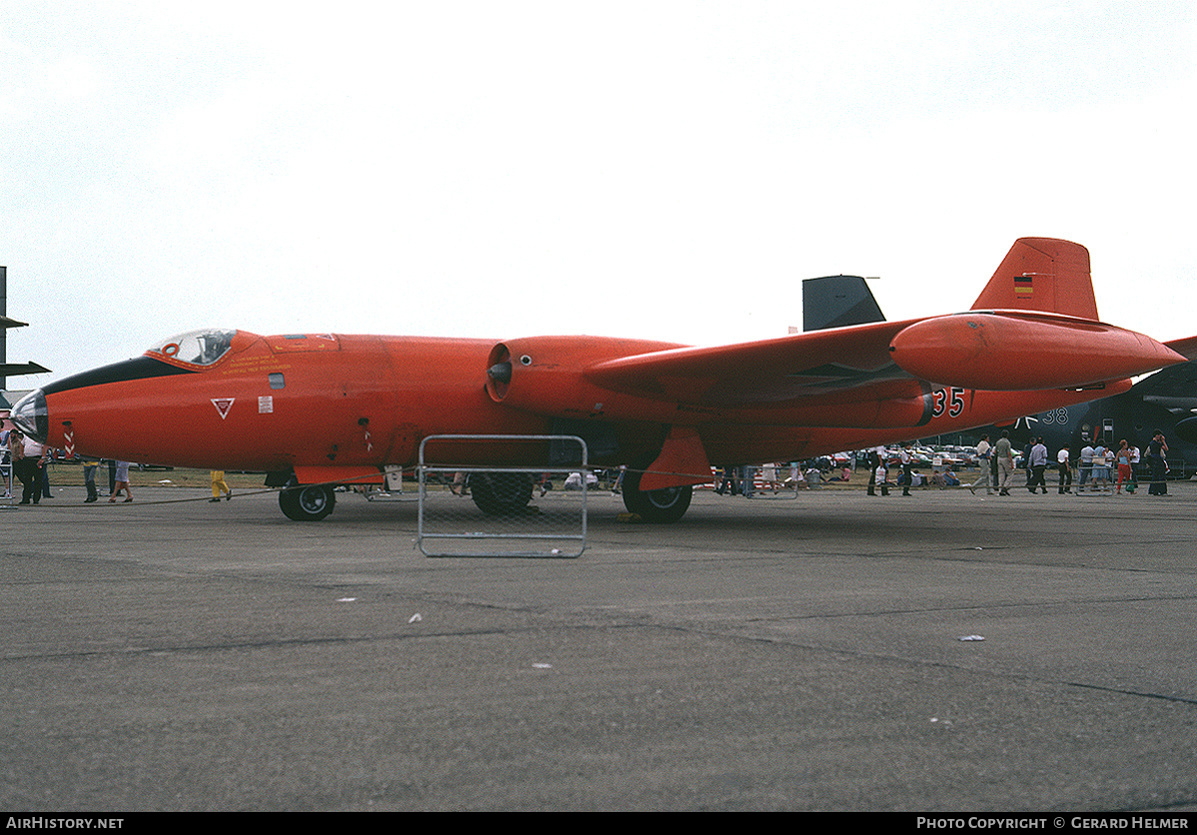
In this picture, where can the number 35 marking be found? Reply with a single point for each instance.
(950, 400)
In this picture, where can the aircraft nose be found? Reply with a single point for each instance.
(30, 416)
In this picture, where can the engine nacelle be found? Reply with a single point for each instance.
(547, 375)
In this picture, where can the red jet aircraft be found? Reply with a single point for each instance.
(318, 410)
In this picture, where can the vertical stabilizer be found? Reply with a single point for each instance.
(1042, 274)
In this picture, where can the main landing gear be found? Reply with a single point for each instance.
(667, 505)
(307, 503)
(495, 494)
(501, 494)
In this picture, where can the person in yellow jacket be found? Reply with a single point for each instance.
(219, 485)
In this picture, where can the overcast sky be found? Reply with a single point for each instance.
(666, 170)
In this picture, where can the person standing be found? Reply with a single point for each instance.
(219, 485)
(44, 472)
(769, 476)
(1086, 466)
(34, 463)
(747, 480)
(1038, 466)
(1004, 454)
(984, 452)
(5, 461)
(1157, 457)
(1123, 460)
(20, 466)
(904, 454)
(90, 465)
(1100, 480)
(876, 456)
(122, 482)
(726, 482)
(1065, 470)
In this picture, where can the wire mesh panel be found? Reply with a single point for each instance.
(473, 510)
(776, 481)
(764, 481)
(8, 492)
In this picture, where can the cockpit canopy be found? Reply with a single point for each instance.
(198, 348)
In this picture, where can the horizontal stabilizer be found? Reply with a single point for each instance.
(17, 369)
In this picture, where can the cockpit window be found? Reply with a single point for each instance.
(197, 347)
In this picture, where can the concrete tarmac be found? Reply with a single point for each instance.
(763, 654)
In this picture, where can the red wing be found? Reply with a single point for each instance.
(853, 363)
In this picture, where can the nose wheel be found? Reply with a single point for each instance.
(309, 503)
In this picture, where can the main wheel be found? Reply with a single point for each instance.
(501, 494)
(307, 504)
(667, 505)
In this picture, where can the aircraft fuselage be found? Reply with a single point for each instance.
(332, 401)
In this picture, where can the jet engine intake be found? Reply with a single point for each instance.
(498, 372)
(547, 375)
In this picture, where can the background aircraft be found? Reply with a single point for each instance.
(1165, 401)
(316, 410)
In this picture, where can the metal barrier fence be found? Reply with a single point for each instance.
(1099, 478)
(780, 481)
(488, 511)
(1095, 478)
(8, 490)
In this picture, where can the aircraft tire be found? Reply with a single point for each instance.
(501, 494)
(667, 505)
(307, 504)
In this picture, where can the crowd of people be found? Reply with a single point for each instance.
(1097, 467)
(1100, 468)
(24, 460)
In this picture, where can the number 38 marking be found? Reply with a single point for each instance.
(950, 401)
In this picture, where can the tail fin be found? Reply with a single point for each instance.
(837, 300)
(1042, 274)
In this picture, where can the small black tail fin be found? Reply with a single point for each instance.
(836, 301)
